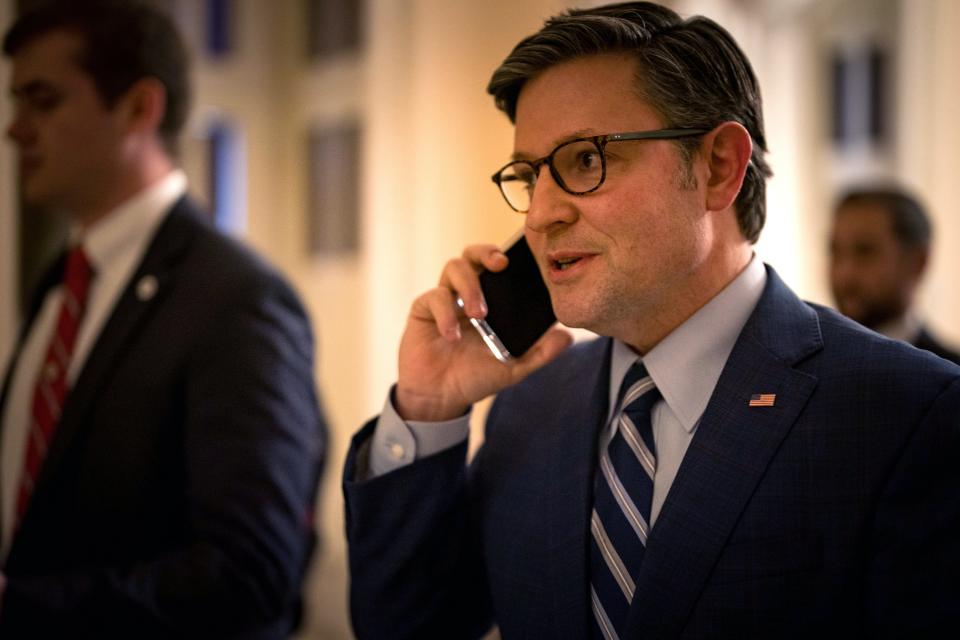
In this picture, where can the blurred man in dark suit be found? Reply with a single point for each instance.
(879, 251)
(161, 437)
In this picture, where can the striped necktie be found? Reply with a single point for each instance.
(50, 391)
(623, 492)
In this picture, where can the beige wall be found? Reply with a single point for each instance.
(929, 143)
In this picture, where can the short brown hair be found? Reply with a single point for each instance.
(908, 217)
(691, 71)
(124, 41)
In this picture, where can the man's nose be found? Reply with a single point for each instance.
(550, 205)
(17, 129)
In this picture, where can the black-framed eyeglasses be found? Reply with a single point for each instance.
(579, 166)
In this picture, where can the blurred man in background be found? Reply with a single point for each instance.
(879, 251)
(161, 437)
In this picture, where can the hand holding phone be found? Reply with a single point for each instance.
(518, 303)
(444, 365)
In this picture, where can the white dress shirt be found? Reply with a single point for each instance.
(115, 245)
(685, 366)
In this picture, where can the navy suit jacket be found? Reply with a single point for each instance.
(176, 496)
(836, 511)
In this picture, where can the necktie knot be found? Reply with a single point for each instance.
(638, 393)
(78, 271)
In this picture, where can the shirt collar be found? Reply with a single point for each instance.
(130, 222)
(686, 365)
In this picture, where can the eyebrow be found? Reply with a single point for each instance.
(32, 88)
(580, 133)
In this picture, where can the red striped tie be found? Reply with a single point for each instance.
(51, 389)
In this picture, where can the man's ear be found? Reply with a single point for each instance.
(144, 106)
(727, 151)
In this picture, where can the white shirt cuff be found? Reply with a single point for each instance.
(397, 443)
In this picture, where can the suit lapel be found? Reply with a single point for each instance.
(572, 427)
(50, 279)
(149, 285)
(727, 458)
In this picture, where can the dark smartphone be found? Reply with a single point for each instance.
(518, 304)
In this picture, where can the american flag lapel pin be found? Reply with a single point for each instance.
(763, 399)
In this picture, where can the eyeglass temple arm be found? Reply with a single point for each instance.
(660, 134)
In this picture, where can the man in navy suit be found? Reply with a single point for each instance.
(804, 478)
(160, 435)
(879, 251)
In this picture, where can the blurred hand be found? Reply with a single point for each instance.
(444, 365)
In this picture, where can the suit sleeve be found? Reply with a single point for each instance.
(253, 441)
(912, 586)
(414, 548)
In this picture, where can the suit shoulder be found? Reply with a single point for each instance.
(577, 370)
(855, 355)
(217, 282)
(567, 367)
(928, 342)
(219, 250)
(220, 262)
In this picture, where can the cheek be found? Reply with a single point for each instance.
(66, 134)
(629, 221)
(837, 276)
(878, 274)
(88, 146)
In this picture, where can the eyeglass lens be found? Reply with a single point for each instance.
(578, 165)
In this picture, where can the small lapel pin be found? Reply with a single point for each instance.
(146, 288)
(763, 399)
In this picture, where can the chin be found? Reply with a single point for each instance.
(851, 311)
(42, 198)
(33, 193)
(576, 317)
(588, 309)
